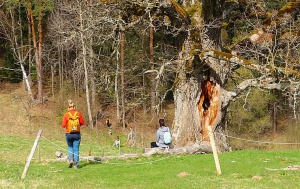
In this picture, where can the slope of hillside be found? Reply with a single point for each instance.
(20, 118)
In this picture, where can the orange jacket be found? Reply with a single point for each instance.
(66, 119)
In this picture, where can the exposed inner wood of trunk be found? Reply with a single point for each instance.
(208, 106)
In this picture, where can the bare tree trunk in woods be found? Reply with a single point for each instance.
(52, 80)
(92, 77)
(274, 117)
(116, 89)
(18, 49)
(36, 47)
(39, 64)
(92, 58)
(60, 67)
(153, 100)
(84, 57)
(122, 76)
(27, 82)
(118, 118)
(21, 52)
(22, 58)
(29, 47)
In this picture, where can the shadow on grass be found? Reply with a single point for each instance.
(82, 165)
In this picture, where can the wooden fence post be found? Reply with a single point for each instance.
(214, 149)
(31, 154)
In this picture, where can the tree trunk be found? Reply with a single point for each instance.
(122, 77)
(186, 126)
(117, 90)
(92, 74)
(18, 49)
(274, 112)
(29, 47)
(153, 99)
(36, 51)
(27, 82)
(52, 80)
(84, 57)
(200, 101)
(39, 63)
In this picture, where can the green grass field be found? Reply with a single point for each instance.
(240, 169)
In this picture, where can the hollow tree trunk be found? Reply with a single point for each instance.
(200, 101)
(198, 105)
(186, 127)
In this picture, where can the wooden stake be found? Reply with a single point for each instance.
(31, 154)
(39, 152)
(214, 149)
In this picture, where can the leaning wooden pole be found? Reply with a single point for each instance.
(214, 149)
(31, 154)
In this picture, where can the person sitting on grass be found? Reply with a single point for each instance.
(163, 136)
(117, 142)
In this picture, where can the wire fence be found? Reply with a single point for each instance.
(228, 136)
(259, 142)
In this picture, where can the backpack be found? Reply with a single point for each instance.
(73, 123)
(167, 137)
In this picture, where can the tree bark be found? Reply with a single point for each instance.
(92, 75)
(186, 126)
(153, 99)
(37, 49)
(37, 52)
(39, 63)
(84, 57)
(27, 82)
(122, 76)
(117, 90)
(199, 99)
(29, 47)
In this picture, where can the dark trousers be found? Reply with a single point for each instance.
(153, 145)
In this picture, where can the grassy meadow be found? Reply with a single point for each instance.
(240, 169)
(245, 169)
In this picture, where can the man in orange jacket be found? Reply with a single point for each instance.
(72, 121)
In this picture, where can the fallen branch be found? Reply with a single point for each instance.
(202, 148)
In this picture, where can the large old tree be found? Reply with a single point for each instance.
(206, 60)
(200, 98)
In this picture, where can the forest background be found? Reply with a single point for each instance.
(120, 58)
